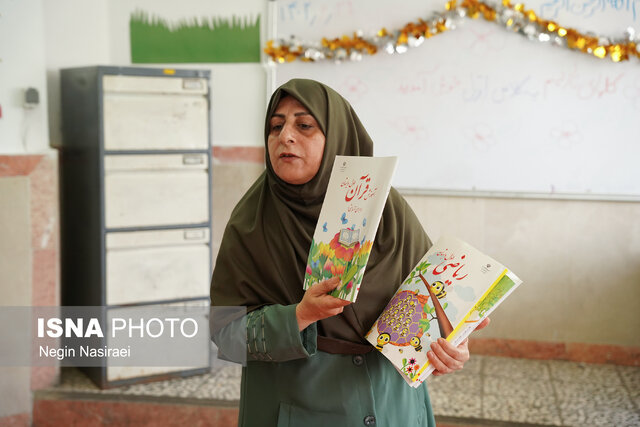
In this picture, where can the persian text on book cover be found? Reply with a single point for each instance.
(348, 221)
(433, 302)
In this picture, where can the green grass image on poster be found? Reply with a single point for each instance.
(218, 39)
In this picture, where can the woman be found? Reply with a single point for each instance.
(308, 361)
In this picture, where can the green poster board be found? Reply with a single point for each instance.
(215, 39)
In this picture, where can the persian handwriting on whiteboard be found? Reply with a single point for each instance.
(478, 88)
(314, 13)
(589, 8)
(303, 11)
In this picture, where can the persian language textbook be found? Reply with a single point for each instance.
(348, 221)
(447, 294)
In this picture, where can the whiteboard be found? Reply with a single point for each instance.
(481, 110)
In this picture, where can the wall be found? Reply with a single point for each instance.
(28, 191)
(22, 61)
(76, 35)
(15, 281)
(579, 262)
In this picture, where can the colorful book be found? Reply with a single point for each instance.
(348, 221)
(447, 294)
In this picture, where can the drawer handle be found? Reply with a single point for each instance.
(192, 159)
(194, 234)
(192, 84)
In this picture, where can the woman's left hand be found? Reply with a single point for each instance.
(446, 358)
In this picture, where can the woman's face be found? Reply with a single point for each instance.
(295, 142)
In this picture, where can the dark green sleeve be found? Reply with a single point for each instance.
(272, 335)
(267, 334)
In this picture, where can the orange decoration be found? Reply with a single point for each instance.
(531, 16)
(617, 52)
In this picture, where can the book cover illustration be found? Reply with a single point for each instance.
(446, 294)
(348, 221)
(507, 284)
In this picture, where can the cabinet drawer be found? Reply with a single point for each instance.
(155, 122)
(152, 195)
(161, 349)
(157, 238)
(155, 162)
(158, 271)
(117, 373)
(154, 84)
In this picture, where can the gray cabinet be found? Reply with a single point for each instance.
(135, 195)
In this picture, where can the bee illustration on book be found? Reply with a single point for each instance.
(383, 339)
(415, 342)
(400, 324)
(438, 290)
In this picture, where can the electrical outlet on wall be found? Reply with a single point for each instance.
(31, 98)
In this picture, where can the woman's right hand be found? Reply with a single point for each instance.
(317, 304)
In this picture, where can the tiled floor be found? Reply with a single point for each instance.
(489, 391)
(540, 392)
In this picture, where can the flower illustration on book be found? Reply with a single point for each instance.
(339, 241)
(334, 269)
(344, 256)
(408, 368)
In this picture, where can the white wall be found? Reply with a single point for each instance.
(22, 64)
(96, 32)
(579, 262)
(76, 35)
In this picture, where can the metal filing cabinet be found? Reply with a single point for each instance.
(135, 195)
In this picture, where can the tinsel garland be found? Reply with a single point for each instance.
(512, 17)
